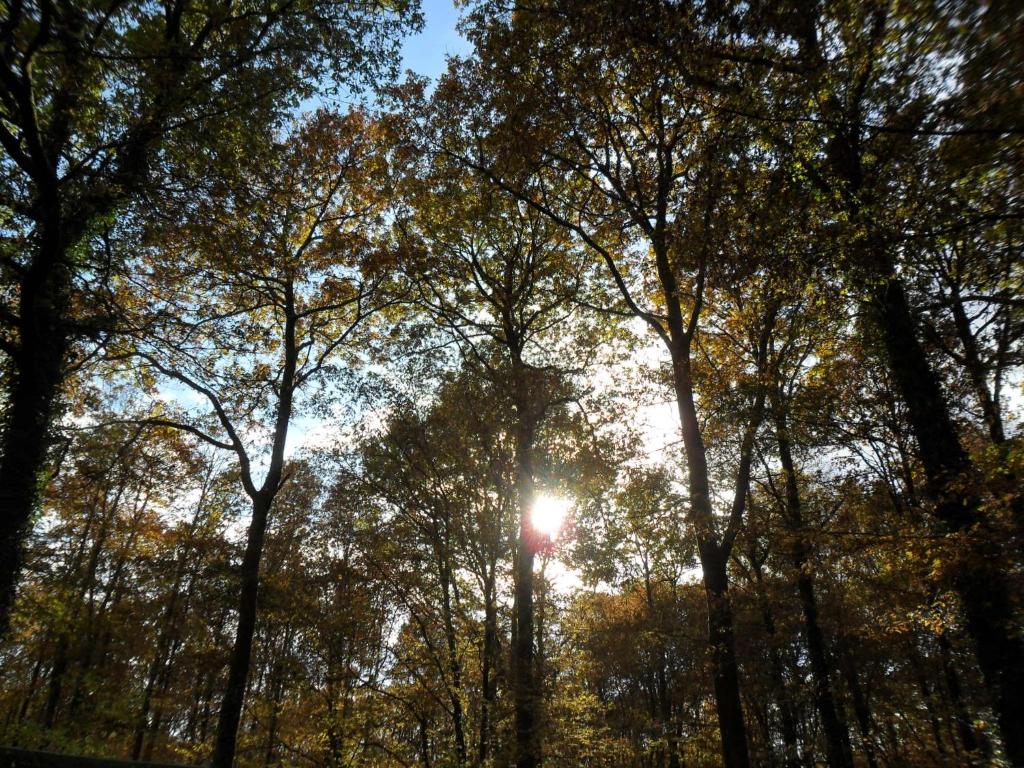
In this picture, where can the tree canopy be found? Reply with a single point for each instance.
(644, 391)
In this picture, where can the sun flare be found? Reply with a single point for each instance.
(548, 514)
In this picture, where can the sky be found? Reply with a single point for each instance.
(425, 53)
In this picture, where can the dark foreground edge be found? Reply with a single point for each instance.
(12, 757)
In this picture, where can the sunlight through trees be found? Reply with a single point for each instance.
(642, 388)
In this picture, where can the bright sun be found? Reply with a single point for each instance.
(548, 514)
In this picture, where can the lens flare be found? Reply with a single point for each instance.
(548, 514)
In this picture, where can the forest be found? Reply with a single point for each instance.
(641, 389)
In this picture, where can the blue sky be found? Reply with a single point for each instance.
(425, 53)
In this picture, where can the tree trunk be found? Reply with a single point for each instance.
(62, 656)
(451, 642)
(37, 669)
(787, 718)
(241, 654)
(837, 736)
(860, 706)
(668, 728)
(262, 500)
(93, 653)
(976, 753)
(276, 685)
(928, 697)
(713, 560)
(158, 663)
(661, 704)
(524, 682)
(153, 730)
(983, 588)
(56, 682)
(976, 369)
(424, 743)
(712, 550)
(722, 642)
(980, 583)
(32, 390)
(487, 667)
(206, 710)
(167, 639)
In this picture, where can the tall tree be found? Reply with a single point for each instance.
(634, 538)
(878, 81)
(278, 265)
(449, 500)
(501, 279)
(650, 200)
(95, 99)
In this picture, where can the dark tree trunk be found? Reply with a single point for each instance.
(791, 758)
(523, 677)
(62, 655)
(981, 584)
(277, 687)
(964, 722)
(525, 693)
(837, 736)
(765, 752)
(979, 581)
(451, 642)
(668, 728)
(37, 669)
(241, 654)
(153, 730)
(167, 641)
(540, 652)
(424, 743)
(976, 370)
(262, 501)
(33, 386)
(661, 710)
(93, 653)
(713, 559)
(44, 330)
(192, 721)
(56, 682)
(722, 643)
(713, 549)
(487, 667)
(787, 718)
(157, 665)
(928, 697)
(860, 706)
(207, 708)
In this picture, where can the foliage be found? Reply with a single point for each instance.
(344, 358)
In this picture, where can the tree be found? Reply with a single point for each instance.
(647, 197)
(634, 539)
(879, 103)
(447, 500)
(281, 268)
(96, 100)
(500, 279)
